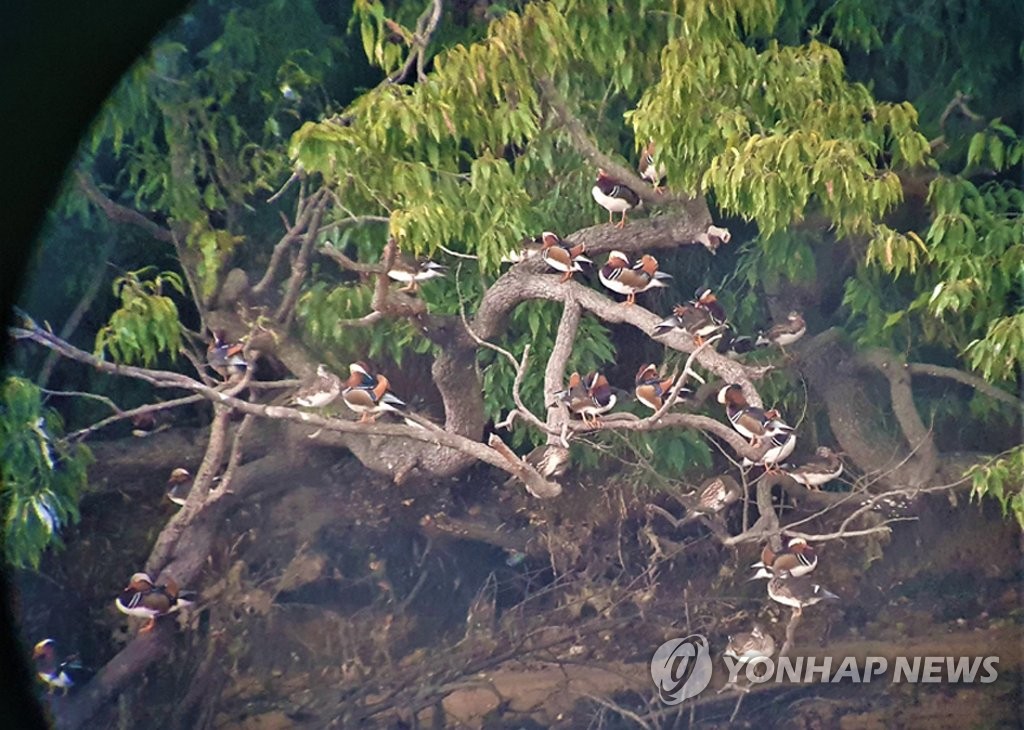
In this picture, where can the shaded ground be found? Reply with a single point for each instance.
(339, 603)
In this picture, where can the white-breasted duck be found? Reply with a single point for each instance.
(749, 421)
(694, 321)
(784, 333)
(320, 391)
(797, 592)
(624, 277)
(782, 439)
(412, 271)
(817, 471)
(367, 393)
(225, 357)
(145, 599)
(796, 556)
(650, 169)
(56, 673)
(562, 257)
(613, 196)
(588, 397)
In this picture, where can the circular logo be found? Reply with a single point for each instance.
(681, 668)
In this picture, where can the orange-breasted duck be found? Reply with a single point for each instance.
(749, 421)
(651, 388)
(796, 556)
(367, 393)
(56, 673)
(562, 257)
(226, 358)
(624, 277)
(694, 321)
(145, 599)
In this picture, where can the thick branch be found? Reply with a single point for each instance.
(120, 213)
(554, 373)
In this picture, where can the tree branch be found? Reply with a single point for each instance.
(120, 213)
(301, 265)
(979, 384)
(307, 208)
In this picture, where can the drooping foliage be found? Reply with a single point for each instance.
(815, 123)
(41, 476)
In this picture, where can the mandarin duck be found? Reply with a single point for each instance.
(694, 321)
(527, 250)
(613, 196)
(797, 592)
(56, 674)
(651, 389)
(817, 471)
(796, 556)
(144, 599)
(226, 358)
(320, 391)
(749, 421)
(562, 257)
(550, 460)
(411, 271)
(622, 277)
(179, 484)
(650, 170)
(705, 299)
(785, 333)
(367, 394)
(589, 397)
(748, 646)
(782, 438)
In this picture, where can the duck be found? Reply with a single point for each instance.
(560, 256)
(613, 196)
(179, 484)
(550, 460)
(784, 333)
(694, 321)
(797, 592)
(717, 493)
(56, 674)
(623, 277)
(704, 298)
(748, 646)
(817, 471)
(226, 358)
(796, 556)
(650, 170)
(652, 389)
(589, 397)
(367, 394)
(749, 421)
(527, 250)
(145, 599)
(411, 271)
(321, 391)
(782, 438)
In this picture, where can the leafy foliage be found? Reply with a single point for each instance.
(1002, 480)
(147, 323)
(42, 477)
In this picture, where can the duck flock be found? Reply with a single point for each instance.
(588, 397)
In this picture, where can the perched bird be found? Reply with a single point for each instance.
(179, 484)
(650, 169)
(694, 321)
(368, 394)
(748, 646)
(817, 471)
(147, 424)
(782, 438)
(320, 391)
(57, 674)
(550, 460)
(622, 277)
(785, 333)
(705, 299)
(411, 271)
(652, 389)
(226, 358)
(614, 196)
(588, 397)
(716, 494)
(797, 592)
(527, 250)
(560, 256)
(143, 598)
(796, 556)
(749, 421)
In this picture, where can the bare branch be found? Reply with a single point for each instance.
(301, 265)
(425, 27)
(979, 384)
(292, 233)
